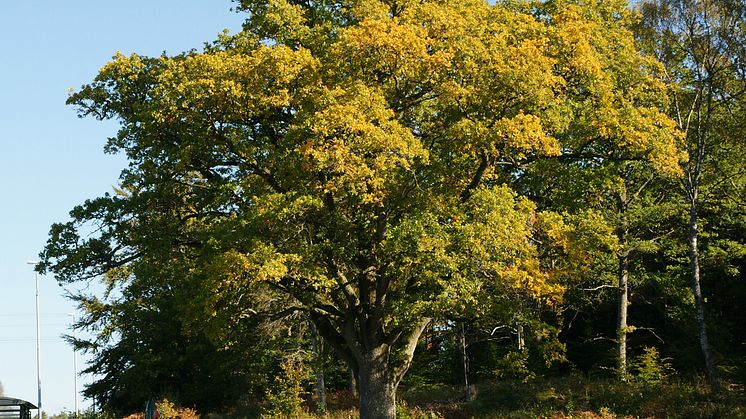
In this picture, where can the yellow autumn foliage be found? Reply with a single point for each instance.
(359, 155)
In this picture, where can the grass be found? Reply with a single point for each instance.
(597, 398)
(567, 397)
(600, 398)
(555, 398)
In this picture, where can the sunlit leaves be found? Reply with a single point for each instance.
(358, 160)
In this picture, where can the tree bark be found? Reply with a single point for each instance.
(704, 342)
(622, 304)
(521, 341)
(353, 382)
(381, 367)
(468, 394)
(319, 368)
(379, 358)
(377, 387)
(622, 285)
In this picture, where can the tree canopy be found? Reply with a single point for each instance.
(367, 163)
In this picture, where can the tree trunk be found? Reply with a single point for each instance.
(379, 358)
(352, 382)
(319, 368)
(704, 342)
(377, 388)
(468, 394)
(380, 369)
(622, 285)
(622, 304)
(521, 341)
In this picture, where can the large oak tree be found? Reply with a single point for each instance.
(355, 158)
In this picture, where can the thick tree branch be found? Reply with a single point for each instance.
(407, 350)
(477, 179)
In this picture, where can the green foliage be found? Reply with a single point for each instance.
(566, 397)
(285, 397)
(701, 43)
(371, 166)
(168, 410)
(370, 193)
(85, 414)
(587, 397)
(650, 368)
(405, 412)
(514, 365)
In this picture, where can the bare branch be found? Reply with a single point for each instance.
(652, 332)
(597, 288)
(505, 326)
(597, 338)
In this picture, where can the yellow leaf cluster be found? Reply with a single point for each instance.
(358, 143)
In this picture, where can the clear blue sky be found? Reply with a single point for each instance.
(50, 160)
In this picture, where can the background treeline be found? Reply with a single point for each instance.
(632, 267)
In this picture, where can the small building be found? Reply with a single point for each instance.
(11, 408)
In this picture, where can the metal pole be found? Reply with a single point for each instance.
(75, 366)
(38, 344)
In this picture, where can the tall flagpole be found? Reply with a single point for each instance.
(38, 342)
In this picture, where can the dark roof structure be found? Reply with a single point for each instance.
(11, 408)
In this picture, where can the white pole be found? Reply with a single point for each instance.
(38, 343)
(75, 367)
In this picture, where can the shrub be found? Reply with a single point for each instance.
(514, 365)
(286, 397)
(650, 368)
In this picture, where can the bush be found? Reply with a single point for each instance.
(286, 397)
(650, 368)
(514, 365)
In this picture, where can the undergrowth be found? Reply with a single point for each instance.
(556, 398)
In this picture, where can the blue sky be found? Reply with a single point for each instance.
(50, 160)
